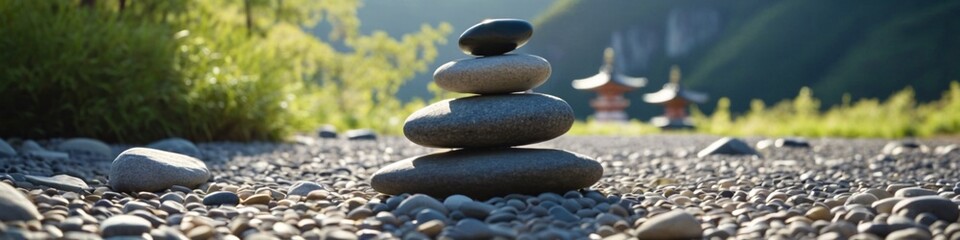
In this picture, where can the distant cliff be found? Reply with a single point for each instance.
(750, 49)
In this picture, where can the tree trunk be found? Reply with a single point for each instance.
(246, 6)
(123, 4)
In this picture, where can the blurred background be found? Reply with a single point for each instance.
(133, 71)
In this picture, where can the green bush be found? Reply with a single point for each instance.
(203, 70)
(899, 116)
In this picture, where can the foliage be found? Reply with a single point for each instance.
(898, 116)
(593, 127)
(197, 69)
(833, 47)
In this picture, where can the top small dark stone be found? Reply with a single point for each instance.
(495, 37)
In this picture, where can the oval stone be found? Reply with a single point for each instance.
(493, 75)
(495, 37)
(490, 121)
(150, 170)
(485, 173)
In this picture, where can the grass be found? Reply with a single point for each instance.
(898, 116)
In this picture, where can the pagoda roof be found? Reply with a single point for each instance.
(673, 91)
(604, 78)
(607, 75)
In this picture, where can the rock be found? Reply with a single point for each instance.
(32, 149)
(453, 202)
(910, 234)
(862, 198)
(728, 146)
(361, 134)
(495, 37)
(257, 199)
(493, 75)
(62, 182)
(943, 208)
(15, 206)
(474, 229)
(940, 150)
(221, 198)
(150, 170)
(431, 228)
(486, 173)
(417, 202)
(675, 224)
(6, 150)
(898, 147)
(490, 121)
(177, 145)
(124, 225)
(885, 205)
(914, 192)
(86, 145)
(783, 142)
(478, 210)
(327, 131)
(303, 188)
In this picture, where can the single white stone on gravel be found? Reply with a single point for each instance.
(6, 150)
(124, 225)
(728, 146)
(145, 169)
(177, 145)
(14, 206)
(62, 182)
(86, 145)
(494, 74)
(676, 224)
(303, 188)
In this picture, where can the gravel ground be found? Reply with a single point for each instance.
(653, 187)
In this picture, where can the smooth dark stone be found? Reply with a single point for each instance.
(220, 198)
(486, 173)
(327, 131)
(495, 37)
(361, 134)
(490, 121)
(939, 206)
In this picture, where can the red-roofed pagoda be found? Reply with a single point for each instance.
(610, 87)
(674, 99)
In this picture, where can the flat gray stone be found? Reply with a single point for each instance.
(675, 224)
(414, 204)
(727, 146)
(177, 145)
(303, 188)
(124, 225)
(941, 207)
(150, 170)
(16, 206)
(33, 149)
(361, 134)
(62, 182)
(86, 145)
(482, 174)
(493, 75)
(490, 121)
(221, 198)
(6, 150)
(914, 192)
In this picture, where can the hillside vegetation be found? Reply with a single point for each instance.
(869, 49)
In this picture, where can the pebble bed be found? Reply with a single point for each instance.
(653, 187)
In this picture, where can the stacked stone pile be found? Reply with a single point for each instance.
(487, 127)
